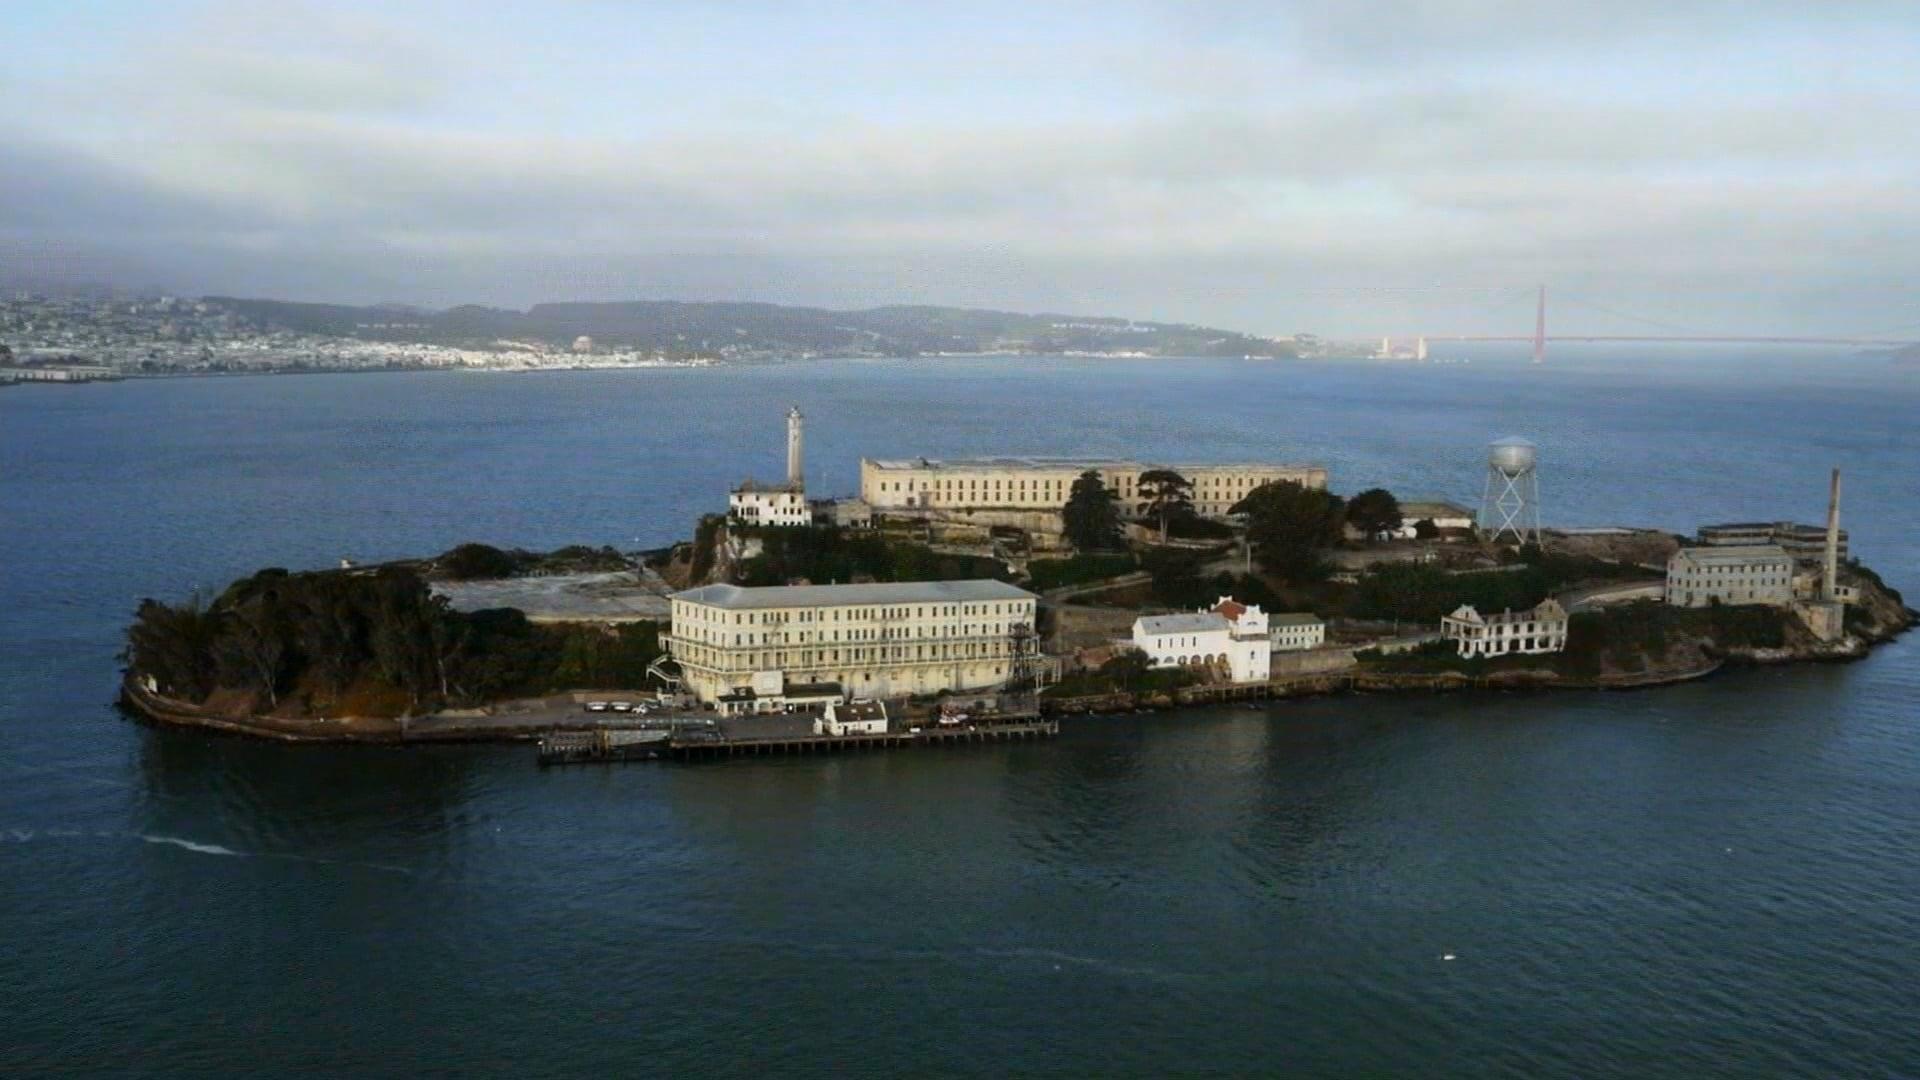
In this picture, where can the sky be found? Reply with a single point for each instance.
(1365, 167)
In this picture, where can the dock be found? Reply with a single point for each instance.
(614, 745)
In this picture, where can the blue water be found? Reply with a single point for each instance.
(1710, 880)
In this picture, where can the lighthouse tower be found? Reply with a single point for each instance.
(796, 471)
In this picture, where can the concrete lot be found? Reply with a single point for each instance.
(625, 596)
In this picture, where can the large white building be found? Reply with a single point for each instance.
(1540, 629)
(1230, 638)
(776, 504)
(1044, 483)
(760, 649)
(1752, 574)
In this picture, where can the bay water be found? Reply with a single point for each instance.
(1716, 879)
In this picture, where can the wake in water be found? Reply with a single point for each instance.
(22, 836)
(204, 849)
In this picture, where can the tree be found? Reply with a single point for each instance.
(1091, 517)
(479, 561)
(1374, 512)
(1425, 529)
(1289, 526)
(1165, 495)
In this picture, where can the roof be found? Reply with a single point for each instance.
(1231, 608)
(1294, 618)
(1073, 464)
(1546, 610)
(749, 487)
(740, 598)
(1416, 509)
(1198, 622)
(1732, 553)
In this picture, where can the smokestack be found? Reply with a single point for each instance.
(796, 475)
(1829, 583)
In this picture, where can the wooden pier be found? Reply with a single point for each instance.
(570, 748)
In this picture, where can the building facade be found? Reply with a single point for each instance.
(1230, 639)
(1039, 483)
(1753, 574)
(769, 504)
(1297, 630)
(1540, 629)
(761, 649)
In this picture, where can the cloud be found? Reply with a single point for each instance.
(333, 140)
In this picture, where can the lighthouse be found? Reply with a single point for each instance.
(796, 470)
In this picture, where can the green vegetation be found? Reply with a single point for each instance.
(1091, 518)
(1080, 569)
(1290, 525)
(1165, 496)
(470, 562)
(1125, 673)
(334, 641)
(1424, 593)
(1374, 512)
(1417, 592)
(824, 555)
(1621, 639)
(706, 537)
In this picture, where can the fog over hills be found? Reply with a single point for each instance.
(671, 325)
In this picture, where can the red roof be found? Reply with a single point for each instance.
(1231, 608)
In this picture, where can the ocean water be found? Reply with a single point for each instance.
(1717, 879)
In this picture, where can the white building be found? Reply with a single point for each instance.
(1753, 574)
(760, 649)
(1540, 629)
(769, 504)
(1042, 483)
(852, 718)
(1296, 630)
(1231, 639)
(1445, 516)
(776, 504)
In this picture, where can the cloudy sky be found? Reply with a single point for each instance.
(1365, 166)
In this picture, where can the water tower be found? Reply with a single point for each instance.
(1511, 504)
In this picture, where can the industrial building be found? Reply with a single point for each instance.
(1753, 574)
(1230, 639)
(1539, 629)
(1806, 543)
(746, 650)
(1044, 483)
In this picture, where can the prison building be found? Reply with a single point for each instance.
(746, 650)
(1044, 483)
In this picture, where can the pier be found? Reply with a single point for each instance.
(580, 747)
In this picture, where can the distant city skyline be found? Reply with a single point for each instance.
(1375, 167)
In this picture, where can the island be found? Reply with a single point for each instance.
(983, 598)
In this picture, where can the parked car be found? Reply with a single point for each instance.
(622, 706)
(596, 706)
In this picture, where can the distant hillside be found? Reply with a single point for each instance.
(770, 329)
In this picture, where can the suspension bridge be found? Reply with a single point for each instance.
(1670, 334)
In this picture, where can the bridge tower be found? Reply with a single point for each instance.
(1510, 506)
(1540, 328)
